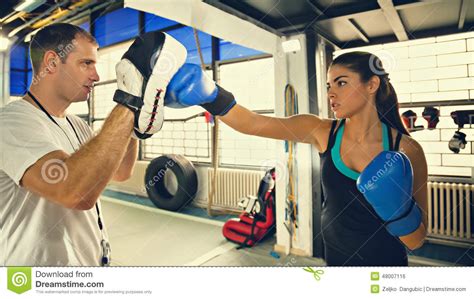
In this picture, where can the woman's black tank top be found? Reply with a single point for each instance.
(353, 233)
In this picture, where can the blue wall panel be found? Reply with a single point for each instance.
(185, 36)
(153, 22)
(18, 56)
(116, 26)
(86, 26)
(18, 69)
(28, 78)
(17, 83)
(193, 56)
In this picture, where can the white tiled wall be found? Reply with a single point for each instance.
(434, 69)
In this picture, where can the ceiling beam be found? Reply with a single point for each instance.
(357, 30)
(393, 19)
(353, 11)
(213, 21)
(317, 9)
(462, 13)
(414, 35)
(254, 19)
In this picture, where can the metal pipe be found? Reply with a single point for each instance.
(85, 11)
(61, 13)
(32, 21)
(12, 17)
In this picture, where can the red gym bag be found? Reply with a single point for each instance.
(258, 218)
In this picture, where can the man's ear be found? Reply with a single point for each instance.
(373, 84)
(50, 61)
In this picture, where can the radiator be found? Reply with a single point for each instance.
(450, 208)
(233, 184)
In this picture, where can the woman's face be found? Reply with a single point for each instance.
(348, 95)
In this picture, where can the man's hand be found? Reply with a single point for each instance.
(143, 75)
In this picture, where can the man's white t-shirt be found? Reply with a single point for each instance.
(34, 230)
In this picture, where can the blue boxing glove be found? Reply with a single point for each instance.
(387, 184)
(190, 86)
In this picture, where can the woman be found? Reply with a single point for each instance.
(366, 106)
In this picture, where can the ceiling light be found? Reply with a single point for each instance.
(4, 43)
(29, 5)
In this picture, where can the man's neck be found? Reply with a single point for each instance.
(52, 103)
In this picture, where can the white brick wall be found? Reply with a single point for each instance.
(456, 84)
(437, 48)
(420, 70)
(461, 160)
(429, 70)
(433, 159)
(471, 70)
(451, 171)
(440, 96)
(456, 59)
(470, 44)
(458, 71)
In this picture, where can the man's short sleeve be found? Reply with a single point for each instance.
(24, 139)
(82, 128)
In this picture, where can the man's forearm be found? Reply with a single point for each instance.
(125, 169)
(94, 164)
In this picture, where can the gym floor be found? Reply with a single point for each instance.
(187, 238)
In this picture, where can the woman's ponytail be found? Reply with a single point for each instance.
(386, 101)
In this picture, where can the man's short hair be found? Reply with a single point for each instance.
(59, 38)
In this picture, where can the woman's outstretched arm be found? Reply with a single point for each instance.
(306, 128)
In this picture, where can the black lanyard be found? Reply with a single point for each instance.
(99, 220)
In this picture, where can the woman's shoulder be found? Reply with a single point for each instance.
(411, 147)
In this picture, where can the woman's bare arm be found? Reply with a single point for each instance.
(306, 128)
(414, 151)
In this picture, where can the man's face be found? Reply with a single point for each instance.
(76, 77)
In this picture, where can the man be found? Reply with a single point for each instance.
(52, 168)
